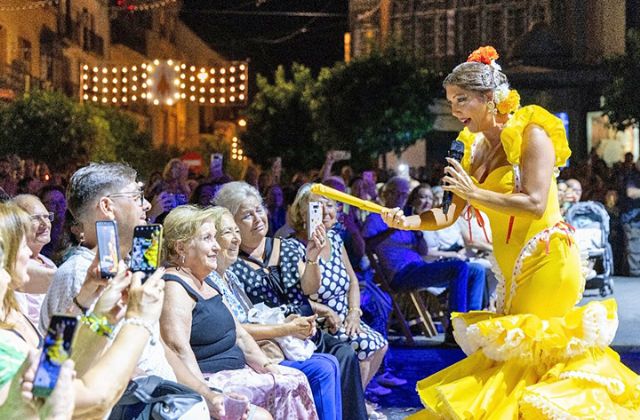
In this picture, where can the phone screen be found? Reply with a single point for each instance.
(108, 248)
(314, 217)
(145, 251)
(56, 349)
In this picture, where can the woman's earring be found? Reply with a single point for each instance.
(179, 267)
(491, 107)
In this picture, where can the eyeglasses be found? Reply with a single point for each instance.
(137, 195)
(42, 218)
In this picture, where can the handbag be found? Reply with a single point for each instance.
(153, 398)
(272, 350)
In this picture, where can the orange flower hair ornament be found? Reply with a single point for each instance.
(506, 100)
(485, 55)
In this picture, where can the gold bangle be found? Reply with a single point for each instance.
(354, 309)
(312, 262)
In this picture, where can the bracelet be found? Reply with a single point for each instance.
(311, 262)
(98, 324)
(144, 324)
(355, 309)
(83, 309)
(267, 364)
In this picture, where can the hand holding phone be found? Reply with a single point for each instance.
(108, 248)
(314, 217)
(215, 165)
(145, 250)
(340, 155)
(56, 350)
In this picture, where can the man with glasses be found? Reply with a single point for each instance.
(40, 268)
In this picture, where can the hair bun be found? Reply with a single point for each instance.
(485, 55)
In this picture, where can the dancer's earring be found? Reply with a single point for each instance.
(491, 107)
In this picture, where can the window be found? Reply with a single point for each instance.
(425, 37)
(24, 50)
(516, 24)
(494, 32)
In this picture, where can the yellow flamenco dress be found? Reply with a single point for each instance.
(538, 356)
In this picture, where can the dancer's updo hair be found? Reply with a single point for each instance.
(476, 76)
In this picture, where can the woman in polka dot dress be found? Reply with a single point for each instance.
(339, 289)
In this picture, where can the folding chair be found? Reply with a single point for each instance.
(423, 318)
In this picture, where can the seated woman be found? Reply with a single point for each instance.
(272, 271)
(94, 396)
(198, 326)
(41, 269)
(339, 290)
(322, 370)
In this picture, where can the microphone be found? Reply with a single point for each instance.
(456, 151)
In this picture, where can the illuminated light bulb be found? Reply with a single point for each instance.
(169, 101)
(134, 98)
(170, 62)
(222, 80)
(232, 79)
(149, 69)
(232, 98)
(95, 69)
(222, 90)
(201, 100)
(125, 80)
(235, 139)
(240, 151)
(182, 85)
(105, 80)
(192, 79)
(183, 95)
(114, 100)
(244, 158)
(192, 88)
(85, 96)
(212, 90)
(241, 97)
(124, 99)
(222, 100)
(242, 122)
(105, 90)
(104, 70)
(134, 78)
(242, 77)
(85, 87)
(241, 87)
(212, 100)
(149, 82)
(202, 77)
(176, 68)
(124, 89)
(143, 75)
(114, 80)
(183, 76)
(232, 69)
(143, 96)
(144, 86)
(234, 156)
(242, 67)
(114, 90)
(85, 77)
(94, 89)
(192, 98)
(134, 68)
(202, 70)
(176, 82)
(156, 61)
(223, 71)
(156, 102)
(94, 98)
(144, 65)
(212, 80)
(104, 100)
(212, 70)
(176, 95)
(114, 70)
(232, 89)
(134, 88)
(202, 90)
(95, 79)
(85, 67)
(192, 68)
(183, 66)
(149, 95)
(124, 69)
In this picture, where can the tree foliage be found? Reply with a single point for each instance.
(373, 105)
(279, 121)
(621, 103)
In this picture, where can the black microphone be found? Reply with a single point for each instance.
(456, 151)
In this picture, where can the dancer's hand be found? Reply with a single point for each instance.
(457, 180)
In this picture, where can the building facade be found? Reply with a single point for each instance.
(552, 50)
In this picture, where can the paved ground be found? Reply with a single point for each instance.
(626, 341)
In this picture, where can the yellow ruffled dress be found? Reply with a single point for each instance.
(538, 356)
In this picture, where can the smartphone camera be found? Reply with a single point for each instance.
(145, 250)
(108, 248)
(314, 217)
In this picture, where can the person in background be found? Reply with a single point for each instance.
(172, 191)
(54, 200)
(204, 193)
(630, 219)
(274, 202)
(7, 179)
(40, 268)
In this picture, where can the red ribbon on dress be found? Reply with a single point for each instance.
(468, 215)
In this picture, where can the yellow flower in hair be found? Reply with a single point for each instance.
(509, 104)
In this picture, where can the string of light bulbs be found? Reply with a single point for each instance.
(141, 5)
(21, 5)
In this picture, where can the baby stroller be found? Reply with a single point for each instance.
(591, 221)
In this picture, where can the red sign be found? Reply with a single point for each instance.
(193, 160)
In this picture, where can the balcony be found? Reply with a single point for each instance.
(82, 37)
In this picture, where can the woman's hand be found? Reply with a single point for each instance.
(113, 301)
(332, 320)
(61, 403)
(302, 327)
(161, 203)
(93, 285)
(145, 300)
(317, 244)
(394, 218)
(216, 406)
(457, 180)
(352, 324)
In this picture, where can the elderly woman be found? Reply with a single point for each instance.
(198, 326)
(41, 269)
(275, 272)
(94, 397)
(339, 290)
(322, 370)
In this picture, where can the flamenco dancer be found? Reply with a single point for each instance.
(538, 356)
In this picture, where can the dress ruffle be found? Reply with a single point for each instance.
(513, 132)
(521, 366)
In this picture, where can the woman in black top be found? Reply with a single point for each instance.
(198, 326)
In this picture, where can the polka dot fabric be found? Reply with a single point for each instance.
(334, 292)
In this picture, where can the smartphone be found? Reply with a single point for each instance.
(314, 217)
(56, 349)
(145, 251)
(108, 248)
(341, 154)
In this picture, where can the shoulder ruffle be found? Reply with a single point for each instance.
(468, 138)
(532, 114)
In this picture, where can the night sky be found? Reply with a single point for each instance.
(271, 40)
